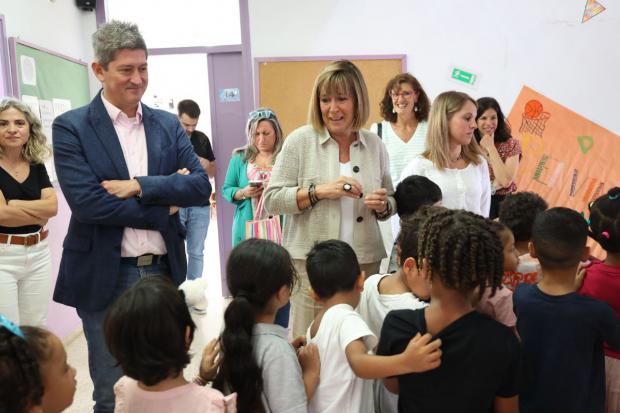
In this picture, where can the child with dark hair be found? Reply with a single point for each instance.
(149, 330)
(34, 374)
(411, 194)
(404, 289)
(562, 332)
(518, 212)
(499, 305)
(258, 361)
(344, 339)
(480, 357)
(602, 280)
(414, 192)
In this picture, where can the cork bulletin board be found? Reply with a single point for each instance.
(285, 84)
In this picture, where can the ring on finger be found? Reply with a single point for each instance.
(347, 187)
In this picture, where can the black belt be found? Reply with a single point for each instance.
(144, 260)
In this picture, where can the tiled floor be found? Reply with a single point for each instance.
(209, 326)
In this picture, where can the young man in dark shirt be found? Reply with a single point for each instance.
(562, 332)
(196, 219)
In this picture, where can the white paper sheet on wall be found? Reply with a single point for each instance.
(61, 106)
(29, 70)
(47, 117)
(33, 102)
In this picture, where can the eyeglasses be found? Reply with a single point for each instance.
(262, 114)
(406, 94)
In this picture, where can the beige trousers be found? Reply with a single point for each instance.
(303, 308)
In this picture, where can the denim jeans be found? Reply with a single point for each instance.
(196, 222)
(103, 370)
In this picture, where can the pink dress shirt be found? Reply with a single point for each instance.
(132, 138)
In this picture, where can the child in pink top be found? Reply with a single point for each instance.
(149, 331)
(602, 279)
(499, 306)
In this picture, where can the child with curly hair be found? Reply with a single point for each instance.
(34, 374)
(480, 357)
(406, 288)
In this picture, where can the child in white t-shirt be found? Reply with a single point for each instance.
(405, 289)
(402, 289)
(344, 340)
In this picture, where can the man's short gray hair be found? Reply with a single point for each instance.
(114, 36)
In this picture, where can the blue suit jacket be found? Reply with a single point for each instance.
(86, 152)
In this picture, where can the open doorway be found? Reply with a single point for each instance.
(172, 78)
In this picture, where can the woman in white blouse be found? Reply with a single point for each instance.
(453, 159)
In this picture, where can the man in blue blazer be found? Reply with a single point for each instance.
(125, 169)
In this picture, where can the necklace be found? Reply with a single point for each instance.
(17, 170)
(458, 158)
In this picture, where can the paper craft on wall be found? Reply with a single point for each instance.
(29, 70)
(592, 9)
(567, 159)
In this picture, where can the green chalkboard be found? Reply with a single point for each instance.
(56, 76)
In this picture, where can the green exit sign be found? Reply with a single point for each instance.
(463, 76)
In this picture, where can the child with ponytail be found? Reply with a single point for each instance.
(257, 360)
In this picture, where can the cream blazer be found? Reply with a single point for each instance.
(309, 157)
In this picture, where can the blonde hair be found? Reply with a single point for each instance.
(36, 149)
(438, 133)
(249, 150)
(341, 76)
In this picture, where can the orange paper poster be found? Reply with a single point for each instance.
(567, 159)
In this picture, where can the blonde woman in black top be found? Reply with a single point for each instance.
(27, 201)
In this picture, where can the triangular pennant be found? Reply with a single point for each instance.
(593, 8)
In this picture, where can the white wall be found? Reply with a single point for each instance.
(541, 44)
(57, 25)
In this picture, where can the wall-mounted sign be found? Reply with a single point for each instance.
(463, 76)
(230, 95)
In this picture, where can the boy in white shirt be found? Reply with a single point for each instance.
(344, 339)
(405, 289)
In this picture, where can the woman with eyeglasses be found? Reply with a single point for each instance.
(502, 151)
(332, 181)
(27, 201)
(404, 109)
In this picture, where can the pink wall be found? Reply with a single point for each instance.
(61, 320)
